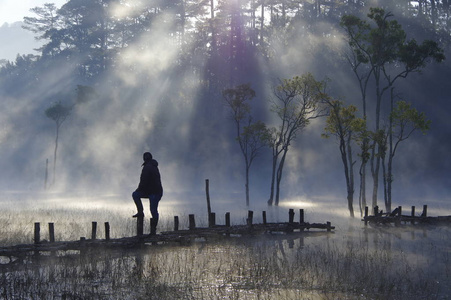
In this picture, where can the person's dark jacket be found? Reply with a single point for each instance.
(150, 181)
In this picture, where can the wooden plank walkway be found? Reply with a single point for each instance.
(397, 218)
(185, 236)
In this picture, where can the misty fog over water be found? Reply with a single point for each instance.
(372, 262)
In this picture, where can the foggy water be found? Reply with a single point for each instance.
(43, 206)
(353, 262)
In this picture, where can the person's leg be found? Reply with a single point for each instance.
(154, 200)
(137, 198)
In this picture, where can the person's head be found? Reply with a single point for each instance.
(147, 156)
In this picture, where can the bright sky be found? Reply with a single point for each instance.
(14, 10)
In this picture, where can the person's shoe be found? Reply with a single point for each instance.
(138, 215)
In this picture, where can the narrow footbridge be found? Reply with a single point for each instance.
(39, 247)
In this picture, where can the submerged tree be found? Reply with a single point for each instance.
(296, 102)
(343, 123)
(251, 136)
(404, 121)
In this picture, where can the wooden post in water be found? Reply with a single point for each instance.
(366, 215)
(250, 217)
(150, 223)
(140, 225)
(425, 211)
(107, 231)
(376, 211)
(51, 232)
(192, 222)
(207, 193)
(227, 219)
(176, 223)
(52, 236)
(264, 217)
(291, 216)
(412, 214)
(301, 218)
(94, 231)
(290, 219)
(329, 227)
(398, 216)
(37, 233)
(212, 220)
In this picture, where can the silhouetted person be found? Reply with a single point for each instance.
(149, 187)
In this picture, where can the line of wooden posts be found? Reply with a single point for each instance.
(192, 226)
(378, 214)
(212, 229)
(37, 232)
(378, 217)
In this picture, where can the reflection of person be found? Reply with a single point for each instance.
(149, 187)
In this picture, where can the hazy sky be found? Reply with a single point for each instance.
(14, 10)
(13, 38)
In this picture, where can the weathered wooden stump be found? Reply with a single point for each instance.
(250, 217)
(192, 222)
(94, 231)
(37, 232)
(227, 219)
(176, 223)
(140, 225)
(107, 231)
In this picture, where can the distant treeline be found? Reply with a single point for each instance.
(220, 40)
